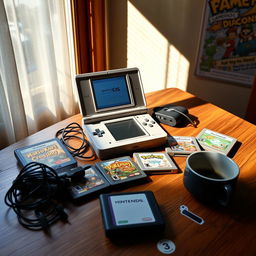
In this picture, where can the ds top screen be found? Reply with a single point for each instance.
(111, 92)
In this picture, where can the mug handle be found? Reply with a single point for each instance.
(228, 192)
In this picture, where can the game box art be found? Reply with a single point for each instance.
(51, 152)
(182, 145)
(120, 170)
(227, 49)
(155, 162)
(214, 141)
(93, 181)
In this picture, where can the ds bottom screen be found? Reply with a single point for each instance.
(125, 129)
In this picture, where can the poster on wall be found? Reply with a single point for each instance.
(227, 49)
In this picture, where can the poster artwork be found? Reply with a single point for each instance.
(227, 48)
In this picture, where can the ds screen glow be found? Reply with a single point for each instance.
(110, 92)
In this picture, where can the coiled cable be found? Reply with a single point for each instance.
(34, 196)
(75, 131)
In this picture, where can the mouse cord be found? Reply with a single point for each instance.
(188, 118)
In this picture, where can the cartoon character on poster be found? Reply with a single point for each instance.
(209, 52)
(230, 43)
(247, 41)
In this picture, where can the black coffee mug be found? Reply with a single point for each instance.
(211, 177)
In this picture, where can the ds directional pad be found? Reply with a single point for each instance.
(98, 132)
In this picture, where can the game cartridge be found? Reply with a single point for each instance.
(155, 162)
(131, 214)
(214, 141)
(120, 170)
(182, 145)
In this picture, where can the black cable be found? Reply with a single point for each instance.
(75, 131)
(186, 116)
(34, 196)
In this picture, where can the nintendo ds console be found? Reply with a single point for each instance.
(115, 118)
(122, 135)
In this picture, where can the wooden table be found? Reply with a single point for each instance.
(229, 231)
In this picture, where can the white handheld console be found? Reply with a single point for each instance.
(115, 118)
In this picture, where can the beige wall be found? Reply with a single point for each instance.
(178, 21)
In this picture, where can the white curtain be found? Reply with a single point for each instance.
(36, 67)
